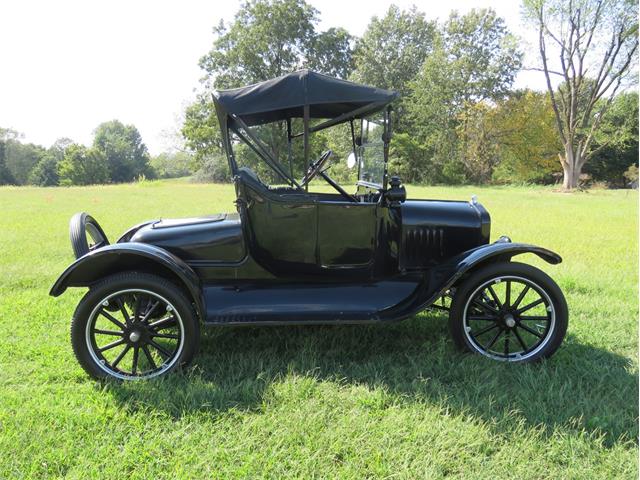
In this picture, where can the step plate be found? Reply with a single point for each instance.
(303, 303)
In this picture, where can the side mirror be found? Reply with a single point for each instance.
(351, 160)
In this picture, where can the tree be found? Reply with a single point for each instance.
(172, 164)
(21, 158)
(125, 153)
(408, 158)
(45, 173)
(201, 131)
(595, 44)
(266, 39)
(6, 177)
(615, 145)
(83, 166)
(392, 50)
(526, 137)
(59, 148)
(331, 52)
(475, 59)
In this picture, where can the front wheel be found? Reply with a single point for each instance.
(134, 326)
(509, 312)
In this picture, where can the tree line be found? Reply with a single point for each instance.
(117, 155)
(459, 118)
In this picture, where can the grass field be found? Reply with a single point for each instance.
(325, 402)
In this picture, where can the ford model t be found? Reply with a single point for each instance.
(290, 256)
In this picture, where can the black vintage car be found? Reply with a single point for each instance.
(294, 257)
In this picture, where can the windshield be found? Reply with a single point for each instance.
(371, 152)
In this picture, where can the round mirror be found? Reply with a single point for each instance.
(351, 160)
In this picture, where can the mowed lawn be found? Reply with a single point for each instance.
(387, 401)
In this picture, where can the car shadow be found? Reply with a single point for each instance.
(582, 388)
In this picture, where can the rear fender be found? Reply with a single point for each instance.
(130, 256)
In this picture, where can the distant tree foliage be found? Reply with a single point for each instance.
(6, 177)
(266, 39)
(45, 173)
(123, 149)
(171, 164)
(458, 120)
(474, 60)
(392, 50)
(21, 158)
(615, 147)
(83, 166)
(526, 138)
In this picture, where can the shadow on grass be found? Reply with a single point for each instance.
(580, 388)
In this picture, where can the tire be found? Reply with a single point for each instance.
(80, 224)
(158, 330)
(485, 317)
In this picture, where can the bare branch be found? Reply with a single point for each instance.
(536, 69)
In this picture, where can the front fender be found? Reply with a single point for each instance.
(441, 278)
(119, 257)
(501, 250)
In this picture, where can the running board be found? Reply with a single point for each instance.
(304, 304)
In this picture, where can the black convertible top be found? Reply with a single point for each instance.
(285, 97)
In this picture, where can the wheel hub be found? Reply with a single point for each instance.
(509, 321)
(135, 336)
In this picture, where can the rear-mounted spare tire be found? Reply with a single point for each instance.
(86, 234)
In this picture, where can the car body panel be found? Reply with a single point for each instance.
(212, 238)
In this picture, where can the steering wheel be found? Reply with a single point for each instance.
(315, 167)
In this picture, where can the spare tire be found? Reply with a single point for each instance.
(86, 234)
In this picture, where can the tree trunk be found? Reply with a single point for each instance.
(571, 167)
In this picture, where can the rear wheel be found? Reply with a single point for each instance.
(509, 312)
(134, 326)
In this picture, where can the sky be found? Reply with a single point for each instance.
(68, 65)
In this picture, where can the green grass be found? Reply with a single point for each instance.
(349, 402)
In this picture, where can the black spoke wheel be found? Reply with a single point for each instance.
(509, 312)
(134, 326)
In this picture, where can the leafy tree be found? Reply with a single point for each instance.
(59, 148)
(615, 146)
(595, 47)
(45, 173)
(477, 142)
(409, 159)
(214, 169)
(475, 59)
(331, 52)
(632, 175)
(6, 177)
(266, 39)
(172, 165)
(125, 153)
(20, 159)
(83, 166)
(393, 49)
(201, 131)
(526, 137)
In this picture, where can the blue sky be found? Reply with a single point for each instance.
(68, 65)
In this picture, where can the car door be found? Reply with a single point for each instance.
(280, 230)
(346, 235)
